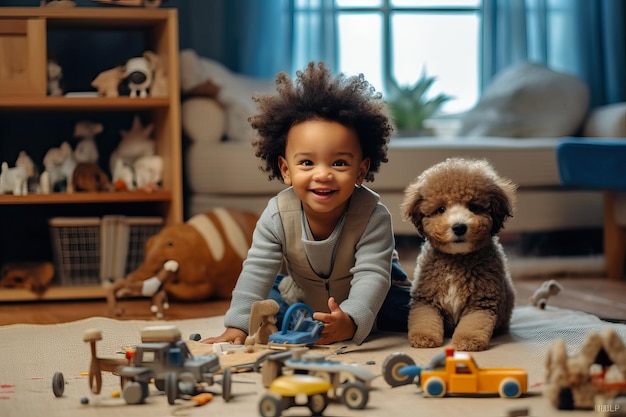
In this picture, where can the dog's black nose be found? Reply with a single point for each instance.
(459, 229)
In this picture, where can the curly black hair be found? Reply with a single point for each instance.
(316, 94)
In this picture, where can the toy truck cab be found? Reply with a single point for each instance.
(455, 373)
(163, 356)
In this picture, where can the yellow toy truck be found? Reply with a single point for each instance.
(455, 373)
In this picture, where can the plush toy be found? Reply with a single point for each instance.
(135, 143)
(541, 294)
(209, 249)
(59, 166)
(32, 172)
(138, 73)
(88, 176)
(13, 180)
(32, 276)
(148, 172)
(107, 82)
(55, 73)
(86, 149)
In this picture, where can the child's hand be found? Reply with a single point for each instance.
(231, 334)
(337, 324)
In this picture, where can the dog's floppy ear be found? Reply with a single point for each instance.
(410, 207)
(502, 203)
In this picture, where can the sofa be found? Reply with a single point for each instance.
(221, 169)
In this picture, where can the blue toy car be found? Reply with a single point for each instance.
(299, 327)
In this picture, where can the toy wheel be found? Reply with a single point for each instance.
(355, 395)
(393, 363)
(566, 399)
(226, 384)
(171, 387)
(317, 404)
(434, 387)
(270, 406)
(295, 315)
(58, 384)
(159, 384)
(133, 393)
(510, 388)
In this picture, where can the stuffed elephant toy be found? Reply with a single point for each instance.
(192, 261)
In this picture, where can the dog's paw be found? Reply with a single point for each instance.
(421, 340)
(470, 344)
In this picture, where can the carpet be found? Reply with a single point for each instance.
(30, 354)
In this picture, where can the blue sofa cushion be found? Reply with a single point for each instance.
(596, 163)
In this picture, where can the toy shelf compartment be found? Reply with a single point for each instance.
(23, 95)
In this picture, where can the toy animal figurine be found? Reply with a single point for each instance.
(13, 180)
(262, 322)
(88, 176)
(32, 172)
(123, 177)
(59, 166)
(107, 82)
(55, 73)
(209, 249)
(86, 149)
(135, 144)
(541, 294)
(159, 82)
(148, 172)
(32, 276)
(138, 72)
(151, 287)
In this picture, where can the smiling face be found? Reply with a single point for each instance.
(323, 161)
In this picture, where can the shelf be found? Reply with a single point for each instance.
(54, 293)
(81, 198)
(115, 18)
(81, 103)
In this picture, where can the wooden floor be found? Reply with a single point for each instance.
(594, 294)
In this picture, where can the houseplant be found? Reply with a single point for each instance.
(411, 105)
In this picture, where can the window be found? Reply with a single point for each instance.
(398, 39)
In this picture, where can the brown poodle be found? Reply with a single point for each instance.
(462, 285)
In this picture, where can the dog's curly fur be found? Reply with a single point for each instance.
(462, 285)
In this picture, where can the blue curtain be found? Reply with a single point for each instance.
(259, 37)
(585, 38)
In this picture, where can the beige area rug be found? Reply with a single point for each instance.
(30, 354)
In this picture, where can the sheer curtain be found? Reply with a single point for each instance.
(581, 37)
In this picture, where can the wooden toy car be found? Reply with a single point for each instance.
(161, 356)
(455, 373)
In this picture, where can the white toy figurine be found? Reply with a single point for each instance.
(59, 165)
(55, 73)
(123, 176)
(13, 180)
(135, 143)
(32, 172)
(138, 72)
(541, 294)
(148, 172)
(86, 149)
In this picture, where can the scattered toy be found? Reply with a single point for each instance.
(541, 294)
(456, 373)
